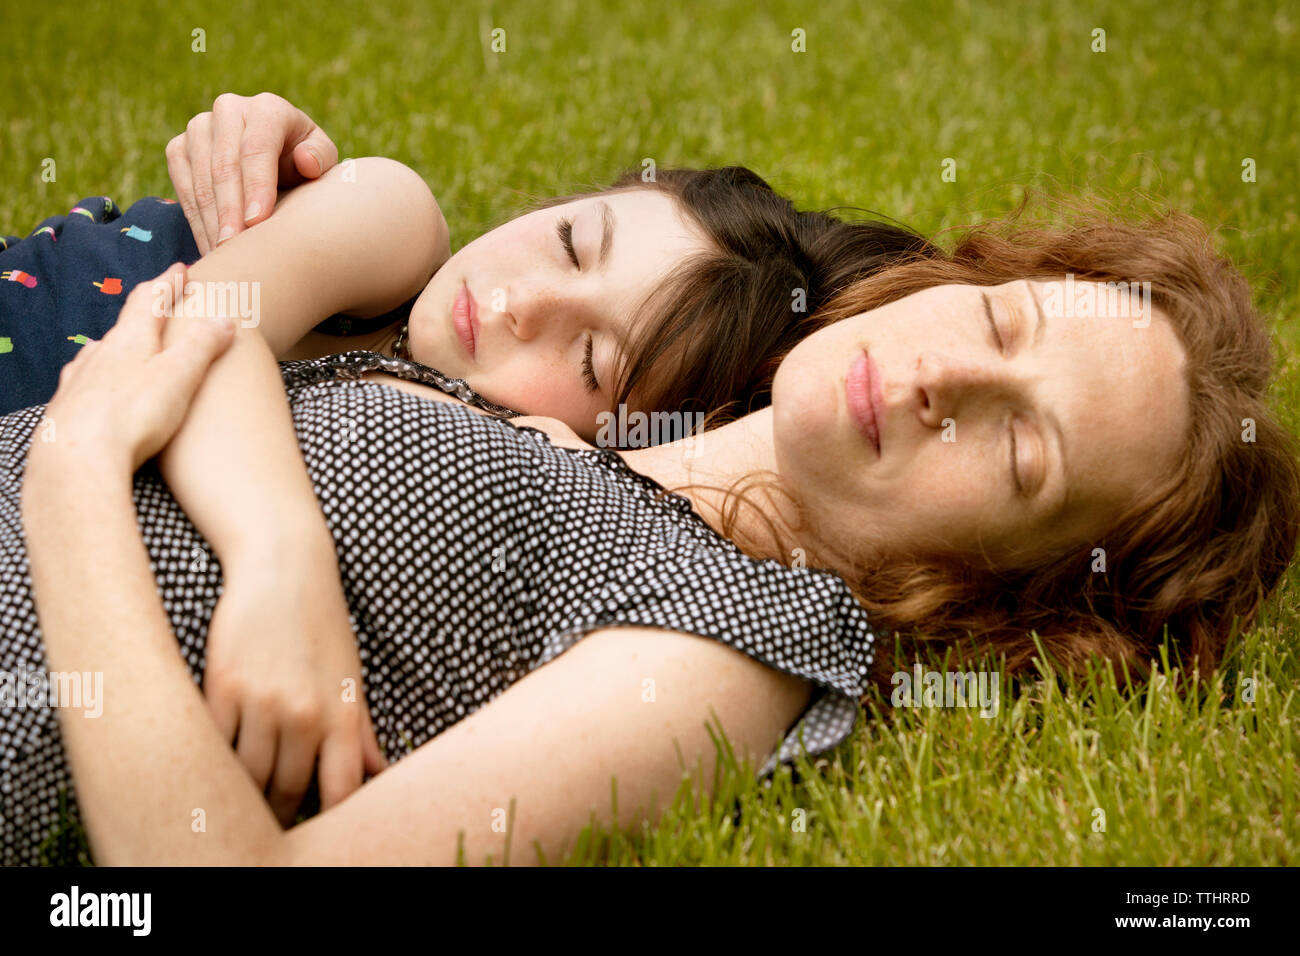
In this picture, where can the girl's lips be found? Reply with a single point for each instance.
(464, 316)
(862, 388)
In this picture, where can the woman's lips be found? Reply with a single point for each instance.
(464, 315)
(862, 388)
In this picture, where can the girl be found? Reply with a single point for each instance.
(1073, 431)
(668, 294)
(659, 296)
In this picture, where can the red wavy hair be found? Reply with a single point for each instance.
(1196, 553)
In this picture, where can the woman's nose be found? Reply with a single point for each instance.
(946, 381)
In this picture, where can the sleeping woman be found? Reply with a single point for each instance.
(947, 454)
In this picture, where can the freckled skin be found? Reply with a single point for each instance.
(1117, 391)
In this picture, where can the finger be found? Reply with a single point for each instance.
(271, 130)
(140, 322)
(305, 151)
(256, 745)
(315, 155)
(372, 755)
(282, 147)
(223, 698)
(260, 162)
(178, 167)
(83, 356)
(198, 146)
(227, 182)
(295, 761)
(181, 366)
(225, 709)
(340, 768)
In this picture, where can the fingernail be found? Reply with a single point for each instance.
(222, 323)
(319, 164)
(251, 212)
(225, 233)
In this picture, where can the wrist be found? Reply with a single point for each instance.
(289, 542)
(67, 499)
(59, 472)
(67, 457)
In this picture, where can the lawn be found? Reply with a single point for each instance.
(1180, 770)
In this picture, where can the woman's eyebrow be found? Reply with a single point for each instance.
(606, 232)
(1042, 316)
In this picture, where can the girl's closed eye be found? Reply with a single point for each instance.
(565, 230)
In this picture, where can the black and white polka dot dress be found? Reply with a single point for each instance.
(471, 552)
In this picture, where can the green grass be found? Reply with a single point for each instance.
(1186, 772)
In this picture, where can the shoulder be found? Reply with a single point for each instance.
(558, 432)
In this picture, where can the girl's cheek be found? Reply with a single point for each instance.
(571, 411)
(578, 412)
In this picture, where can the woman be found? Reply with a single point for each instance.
(958, 430)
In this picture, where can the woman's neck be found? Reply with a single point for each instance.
(703, 469)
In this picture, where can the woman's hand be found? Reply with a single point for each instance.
(226, 166)
(283, 674)
(123, 397)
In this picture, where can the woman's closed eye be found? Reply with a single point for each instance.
(589, 368)
(1015, 469)
(999, 339)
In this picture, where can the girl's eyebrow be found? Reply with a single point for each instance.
(607, 222)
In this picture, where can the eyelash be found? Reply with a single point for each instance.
(588, 369)
(997, 338)
(1015, 473)
(565, 229)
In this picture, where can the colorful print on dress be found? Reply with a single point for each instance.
(17, 275)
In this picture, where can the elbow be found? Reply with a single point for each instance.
(403, 192)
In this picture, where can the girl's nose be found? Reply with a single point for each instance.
(537, 307)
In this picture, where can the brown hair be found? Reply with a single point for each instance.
(710, 337)
(1196, 554)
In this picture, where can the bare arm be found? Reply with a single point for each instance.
(362, 239)
(335, 245)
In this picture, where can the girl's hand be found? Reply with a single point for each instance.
(123, 397)
(227, 164)
(283, 675)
